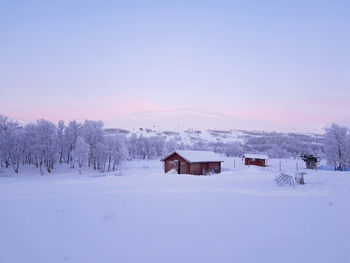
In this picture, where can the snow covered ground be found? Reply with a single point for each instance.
(138, 214)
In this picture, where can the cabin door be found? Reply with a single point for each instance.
(177, 166)
(183, 168)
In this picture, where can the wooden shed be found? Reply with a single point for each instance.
(192, 162)
(255, 159)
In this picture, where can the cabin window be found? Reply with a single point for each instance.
(253, 159)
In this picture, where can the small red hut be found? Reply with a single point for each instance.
(255, 159)
(192, 162)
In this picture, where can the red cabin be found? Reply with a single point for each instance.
(192, 162)
(255, 159)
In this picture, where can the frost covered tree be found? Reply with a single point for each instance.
(17, 148)
(93, 134)
(11, 143)
(40, 144)
(133, 146)
(61, 142)
(71, 133)
(141, 147)
(233, 149)
(336, 146)
(80, 153)
(116, 151)
(8, 128)
(43, 144)
(45, 136)
(283, 145)
(100, 156)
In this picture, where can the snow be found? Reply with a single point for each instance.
(197, 156)
(185, 118)
(256, 156)
(138, 214)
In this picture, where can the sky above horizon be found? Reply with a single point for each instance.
(277, 61)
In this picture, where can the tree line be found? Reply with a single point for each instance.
(45, 144)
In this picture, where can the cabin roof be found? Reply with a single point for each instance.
(255, 156)
(196, 156)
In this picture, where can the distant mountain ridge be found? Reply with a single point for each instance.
(189, 119)
(183, 119)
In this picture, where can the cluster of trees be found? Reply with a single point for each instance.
(230, 149)
(44, 144)
(274, 144)
(152, 147)
(284, 145)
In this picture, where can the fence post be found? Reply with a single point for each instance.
(280, 167)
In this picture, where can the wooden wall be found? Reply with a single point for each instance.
(257, 162)
(175, 161)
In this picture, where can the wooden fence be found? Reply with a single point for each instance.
(284, 179)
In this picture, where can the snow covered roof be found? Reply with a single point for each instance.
(196, 156)
(255, 156)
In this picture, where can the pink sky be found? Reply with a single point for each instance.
(285, 62)
(309, 112)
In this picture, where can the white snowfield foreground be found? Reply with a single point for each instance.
(139, 214)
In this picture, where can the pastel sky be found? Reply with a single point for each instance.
(281, 61)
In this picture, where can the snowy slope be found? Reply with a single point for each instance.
(143, 215)
(192, 136)
(184, 119)
(188, 136)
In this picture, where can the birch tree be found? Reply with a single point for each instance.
(336, 146)
(80, 153)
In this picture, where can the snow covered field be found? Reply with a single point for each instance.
(138, 214)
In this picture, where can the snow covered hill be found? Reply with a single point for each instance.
(193, 136)
(138, 214)
(190, 127)
(188, 136)
(183, 119)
